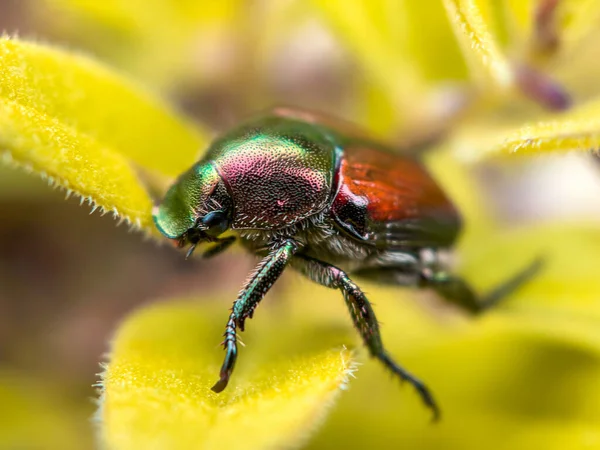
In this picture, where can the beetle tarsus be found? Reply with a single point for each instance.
(220, 385)
(230, 344)
(228, 364)
(421, 388)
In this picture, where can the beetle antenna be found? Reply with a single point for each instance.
(190, 251)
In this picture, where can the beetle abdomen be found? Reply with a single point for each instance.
(278, 171)
(391, 201)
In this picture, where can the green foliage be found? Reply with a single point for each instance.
(34, 416)
(86, 128)
(578, 129)
(162, 44)
(525, 376)
(164, 361)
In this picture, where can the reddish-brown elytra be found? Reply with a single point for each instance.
(313, 193)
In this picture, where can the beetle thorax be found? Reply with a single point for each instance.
(275, 173)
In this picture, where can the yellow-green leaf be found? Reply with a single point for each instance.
(480, 45)
(93, 99)
(375, 31)
(35, 414)
(460, 184)
(580, 20)
(568, 21)
(165, 359)
(501, 384)
(568, 280)
(523, 375)
(80, 125)
(163, 44)
(403, 48)
(576, 130)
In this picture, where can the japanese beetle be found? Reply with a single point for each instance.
(307, 192)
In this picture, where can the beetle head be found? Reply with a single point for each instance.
(197, 208)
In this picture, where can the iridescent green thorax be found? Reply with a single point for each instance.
(277, 170)
(184, 201)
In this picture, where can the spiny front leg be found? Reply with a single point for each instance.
(363, 318)
(267, 272)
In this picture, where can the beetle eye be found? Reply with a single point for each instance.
(216, 223)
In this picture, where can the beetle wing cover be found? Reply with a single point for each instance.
(392, 201)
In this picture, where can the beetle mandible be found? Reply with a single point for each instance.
(304, 191)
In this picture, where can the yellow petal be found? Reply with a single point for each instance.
(81, 126)
(165, 359)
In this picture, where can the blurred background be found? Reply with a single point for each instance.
(67, 278)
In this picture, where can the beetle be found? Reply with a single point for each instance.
(309, 192)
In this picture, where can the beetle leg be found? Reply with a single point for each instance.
(363, 318)
(254, 290)
(220, 246)
(456, 290)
